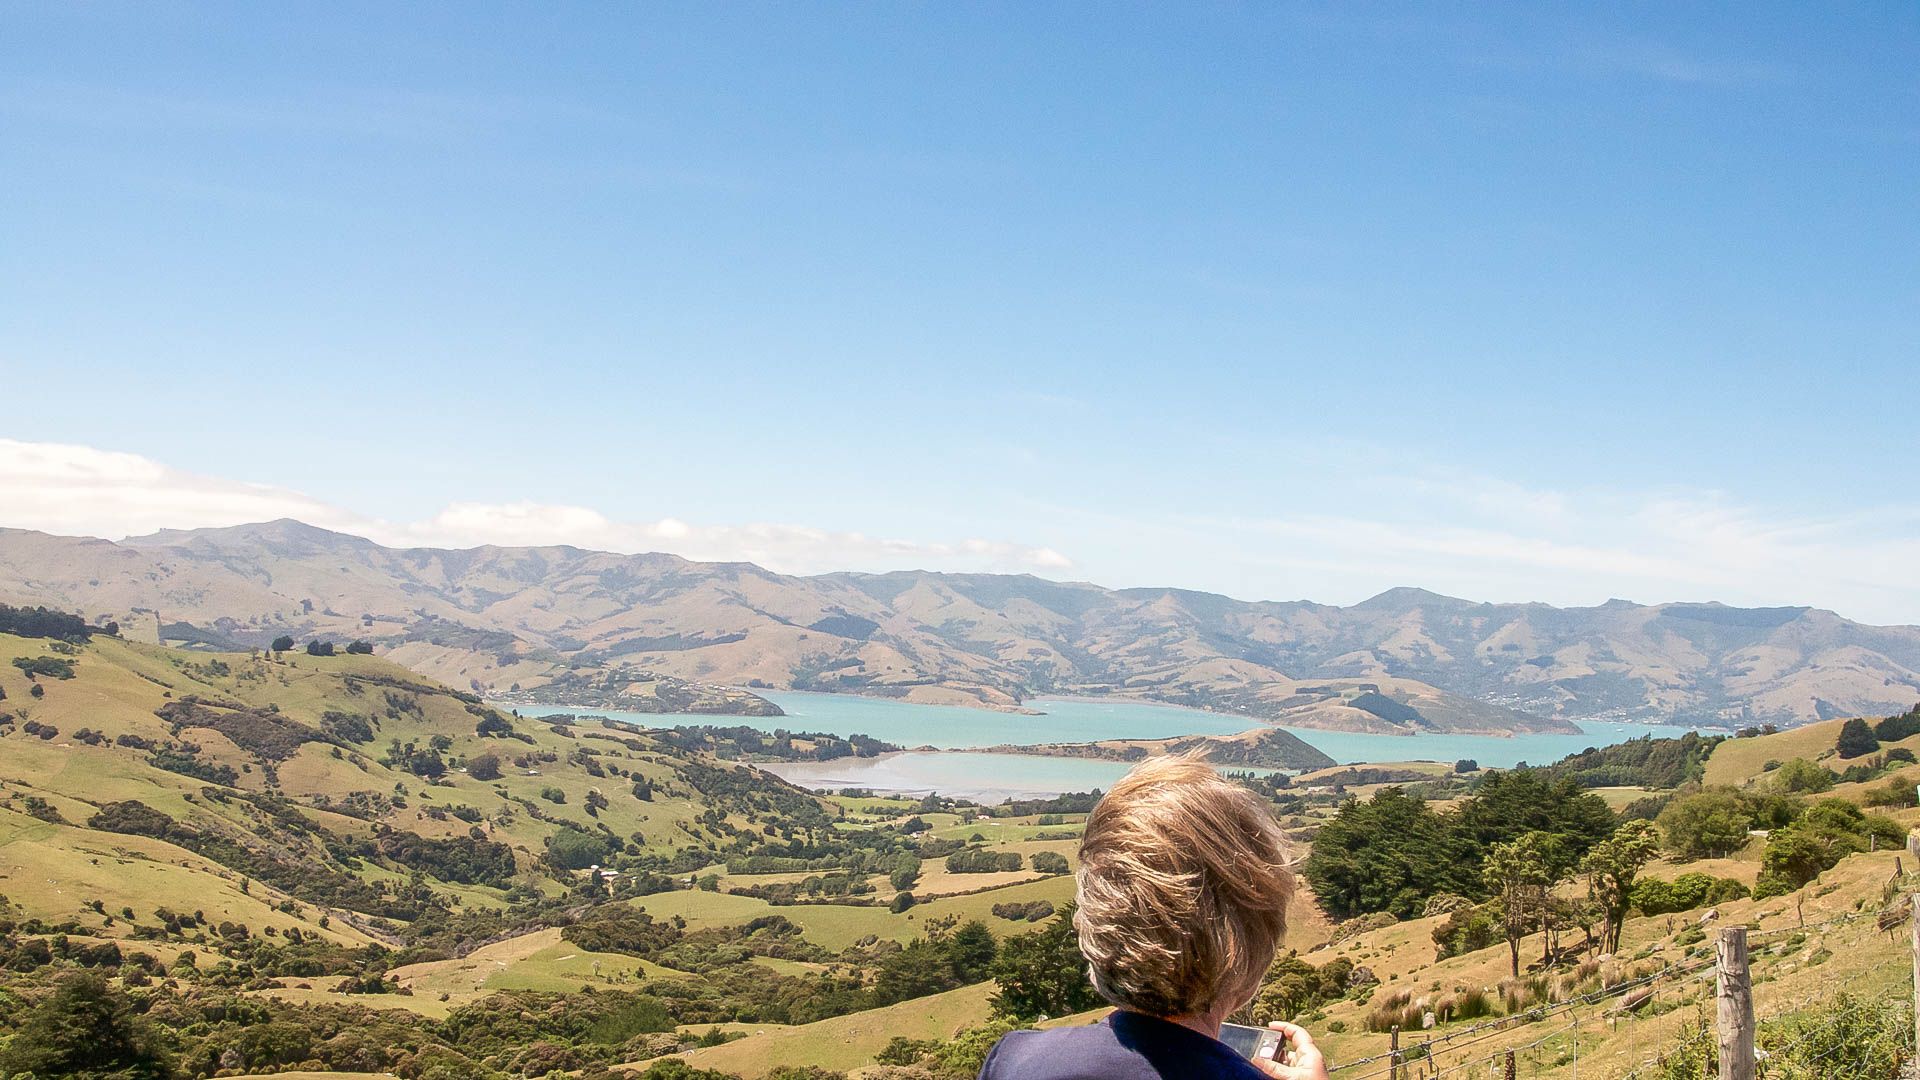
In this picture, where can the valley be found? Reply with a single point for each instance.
(392, 876)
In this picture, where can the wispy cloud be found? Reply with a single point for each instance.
(81, 490)
(1478, 537)
(1489, 539)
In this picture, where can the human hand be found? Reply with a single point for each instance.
(1301, 1060)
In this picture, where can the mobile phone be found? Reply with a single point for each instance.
(1253, 1042)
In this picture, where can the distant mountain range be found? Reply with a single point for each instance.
(525, 620)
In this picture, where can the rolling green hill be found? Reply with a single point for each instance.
(324, 843)
(332, 865)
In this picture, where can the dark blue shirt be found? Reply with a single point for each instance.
(1124, 1046)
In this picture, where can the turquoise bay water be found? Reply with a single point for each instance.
(997, 776)
(984, 778)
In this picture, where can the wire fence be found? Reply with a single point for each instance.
(1837, 1036)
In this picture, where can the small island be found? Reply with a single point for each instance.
(1261, 748)
(641, 692)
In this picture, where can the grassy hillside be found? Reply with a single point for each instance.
(848, 1042)
(324, 837)
(300, 845)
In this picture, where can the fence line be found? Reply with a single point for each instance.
(1529, 1016)
(1427, 1052)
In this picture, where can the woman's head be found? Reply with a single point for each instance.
(1183, 890)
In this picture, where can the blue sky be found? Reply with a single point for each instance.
(1284, 302)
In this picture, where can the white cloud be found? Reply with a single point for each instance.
(1479, 538)
(79, 490)
(83, 491)
(1491, 540)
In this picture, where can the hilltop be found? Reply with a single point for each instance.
(500, 619)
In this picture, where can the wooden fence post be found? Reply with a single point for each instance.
(1393, 1063)
(1915, 903)
(1513, 1067)
(1734, 991)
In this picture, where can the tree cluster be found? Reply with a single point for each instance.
(1393, 852)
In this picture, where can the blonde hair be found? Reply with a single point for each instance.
(1182, 892)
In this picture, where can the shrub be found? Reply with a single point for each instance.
(1829, 831)
(983, 861)
(1396, 1009)
(901, 1050)
(643, 1015)
(51, 666)
(1800, 776)
(1050, 862)
(1708, 824)
(576, 849)
(1685, 893)
(1467, 929)
(1848, 1036)
(1895, 792)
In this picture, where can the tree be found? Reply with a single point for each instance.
(484, 767)
(1042, 973)
(1800, 776)
(360, 647)
(1705, 825)
(1856, 739)
(1829, 831)
(1518, 874)
(577, 849)
(1611, 868)
(1896, 728)
(1466, 765)
(1508, 805)
(1388, 853)
(87, 1030)
(901, 902)
(906, 871)
(283, 643)
(1050, 862)
(971, 950)
(317, 647)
